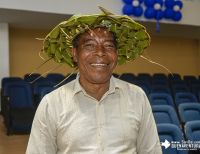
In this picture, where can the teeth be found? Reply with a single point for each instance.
(98, 64)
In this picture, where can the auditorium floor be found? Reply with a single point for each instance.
(13, 144)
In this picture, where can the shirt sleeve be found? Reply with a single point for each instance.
(42, 139)
(148, 141)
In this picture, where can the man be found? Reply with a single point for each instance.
(96, 113)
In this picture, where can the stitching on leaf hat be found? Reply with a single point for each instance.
(132, 38)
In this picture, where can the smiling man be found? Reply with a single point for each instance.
(95, 113)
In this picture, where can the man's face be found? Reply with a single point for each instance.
(96, 55)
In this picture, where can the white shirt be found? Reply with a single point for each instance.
(69, 121)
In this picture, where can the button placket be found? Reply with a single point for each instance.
(100, 123)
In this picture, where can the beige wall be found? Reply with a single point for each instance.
(24, 53)
(179, 55)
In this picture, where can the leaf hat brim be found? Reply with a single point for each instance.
(131, 36)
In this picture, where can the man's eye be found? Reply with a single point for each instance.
(110, 46)
(89, 45)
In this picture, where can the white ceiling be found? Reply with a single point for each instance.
(39, 20)
(28, 19)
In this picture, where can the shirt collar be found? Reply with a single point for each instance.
(78, 88)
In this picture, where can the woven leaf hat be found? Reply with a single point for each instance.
(131, 37)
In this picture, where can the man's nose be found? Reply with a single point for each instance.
(100, 50)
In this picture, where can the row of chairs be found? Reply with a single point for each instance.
(157, 78)
(168, 133)
(162, 83)
(40, 85)
(173, 140)
(19, 118)
(158, 98)
(43, 92)
(186, 112)
(170, 129)
(20, 98)
(17, 107)
(150, 84)
(55, 78)
(45, 85)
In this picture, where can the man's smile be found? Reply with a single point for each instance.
(99, 64)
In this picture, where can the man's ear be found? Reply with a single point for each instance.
(75, 55)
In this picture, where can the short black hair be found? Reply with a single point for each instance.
(75, 41)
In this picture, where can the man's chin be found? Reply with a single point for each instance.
(100, 79)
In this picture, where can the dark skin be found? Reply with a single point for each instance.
(96, 56)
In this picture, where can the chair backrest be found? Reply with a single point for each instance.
(160, 99)
(165, 114)
(70, 77)
(189, 112)
(174, 77)
(145, 85)
(45, 90)
(189, 79)
(38, 86)
(159, 78)
(129, 77)
(184, 97)
(6, 80)
(170, 133)
(160, 89)
(32, 77)
(38, 89)
(144, 77)
(198, 95)
(195, 88)
(20, 94)
(55, 77)
(192, 130)
(179, 87)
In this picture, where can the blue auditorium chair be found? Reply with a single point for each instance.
(162, 88)
(38, 88)
(161, 99)
(192, 130)
(9, 79)
(55, 77)
(144, 77)
(189, 112)
(129, 77)
(169, 133)
(45, 90)
(19, 108)
(145, 85)
(179, 87)
(70, 77)
(190, 79)
(198, 95)
(165, 114)
(192, 133)
(174, 77)
(4, 81)
(185, 97)
(195, 89)
(159, 79)
(31, 77)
